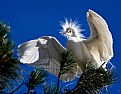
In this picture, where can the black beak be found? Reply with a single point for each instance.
(64, 32)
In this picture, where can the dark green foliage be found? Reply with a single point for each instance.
(8, 65)
(36, 78)
(93, 80)
(67, 62)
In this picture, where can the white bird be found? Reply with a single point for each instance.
(97, 49)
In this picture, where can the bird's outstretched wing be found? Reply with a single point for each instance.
(43, 52)
(100, 42)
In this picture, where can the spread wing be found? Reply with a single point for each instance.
(43, 52)
(100, 42)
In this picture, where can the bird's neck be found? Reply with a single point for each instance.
(75, 39)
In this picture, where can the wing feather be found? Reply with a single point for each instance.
(100, 42)
(44, 52)
(28, 52)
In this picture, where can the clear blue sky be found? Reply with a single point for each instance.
(30, 19)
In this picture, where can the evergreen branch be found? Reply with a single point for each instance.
(67, 62)
(93, 80)
(36, 77)
(8, 64)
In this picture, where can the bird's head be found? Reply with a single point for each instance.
(69, 32)
(71, 29)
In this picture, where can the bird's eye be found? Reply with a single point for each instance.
(69, 31)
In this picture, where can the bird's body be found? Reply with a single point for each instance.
(97, 49)
(80, 51)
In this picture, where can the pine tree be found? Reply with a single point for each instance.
(36, 78)
(90, 82)
(67, 61)
(8, 64)
(92, 79)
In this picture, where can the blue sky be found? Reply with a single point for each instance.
(30, 19)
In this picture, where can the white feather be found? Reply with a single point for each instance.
(100, 40)
(44, 51)
(74, 25)
(97, 48)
